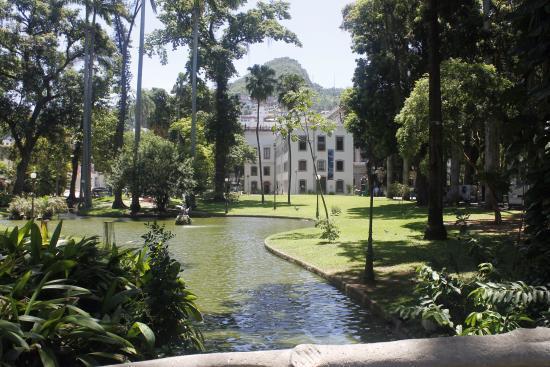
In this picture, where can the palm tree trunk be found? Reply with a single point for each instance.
(389, 175)
(259, 151)
(135, 207)
(435, 229)
(71, 199)
(194, 79)
(289, 168)
(85, 175)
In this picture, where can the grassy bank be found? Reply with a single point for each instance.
(397, 232)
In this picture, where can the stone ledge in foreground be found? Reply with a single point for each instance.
(519, 348)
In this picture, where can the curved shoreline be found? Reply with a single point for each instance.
(355, 291)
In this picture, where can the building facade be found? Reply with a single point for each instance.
(334, 159)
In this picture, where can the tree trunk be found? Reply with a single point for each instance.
(86, 167)
(259, 151)
(222, 145)
(389, 175)
(316, 174)
(135, 206)
(454, 194)
(289, 168)
(118, 203)
(405, 178)
(435, 229)
(422, 189)
(472, 155)
(71, 200)
(22, 166)
(194, 79)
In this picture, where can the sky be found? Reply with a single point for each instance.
(326, 52)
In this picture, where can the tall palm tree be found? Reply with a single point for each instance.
(289, 83)
(196, 16)
(105, 10)
(135, 207)
(260, 84)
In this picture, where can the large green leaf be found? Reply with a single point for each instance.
(140, 328)
(47, 356)
(21, 283)
(55, 236)
(36, 243)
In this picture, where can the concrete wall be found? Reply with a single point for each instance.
(520, 348)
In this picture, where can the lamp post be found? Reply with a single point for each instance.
(226, 195)
(274, 176)
(296, 181)
(317, 179)
(248, 180)
(33, 180)
(369, 266)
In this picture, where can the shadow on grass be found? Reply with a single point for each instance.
(404, 210)
(450, 254)
(293, 236)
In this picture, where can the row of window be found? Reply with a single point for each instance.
(321, 143)
(302, 166)
(302, 184)
(302, 145)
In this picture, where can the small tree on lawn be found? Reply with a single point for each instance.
(301, 118)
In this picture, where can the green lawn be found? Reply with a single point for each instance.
(397, 236)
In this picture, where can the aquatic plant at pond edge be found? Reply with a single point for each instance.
(174, 321)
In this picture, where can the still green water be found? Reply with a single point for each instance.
(251, 299)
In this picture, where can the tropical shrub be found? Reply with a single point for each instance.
(67, 302)
(476, 306)
(160, 172)
(173, 322)
(19, 208)
(329, 229)
(397, 189)
(335, 210)
(44, 207)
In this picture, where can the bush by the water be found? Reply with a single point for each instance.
(476, 306)
(67, 302)
(44, 207)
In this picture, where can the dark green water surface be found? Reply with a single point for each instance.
(251, 299)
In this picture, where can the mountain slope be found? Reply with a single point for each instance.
(327, 98)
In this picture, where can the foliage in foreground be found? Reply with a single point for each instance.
(65, 302)
(478, 306)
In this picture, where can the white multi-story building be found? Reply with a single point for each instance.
(334, 157)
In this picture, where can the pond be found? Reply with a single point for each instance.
(251, 299)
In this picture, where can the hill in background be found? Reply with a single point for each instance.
(327, 98)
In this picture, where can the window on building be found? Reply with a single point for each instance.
(254, 187)
(302, 143)
(321, 165)
(267, 153)
(339, 143)
(267, 171)
(303, 186)
(321, 143)
(253, 171)
(340, 186)
(302, 165)
(339, 166)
